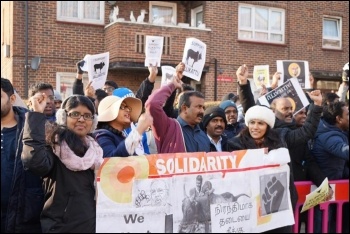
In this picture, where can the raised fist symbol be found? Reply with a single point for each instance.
(273, 195)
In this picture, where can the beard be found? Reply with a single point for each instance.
(5, 110)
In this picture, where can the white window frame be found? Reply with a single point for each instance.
(269, 31)
(194, 12)
(339, 28)
(80, 18)
(68, 77)
(163, 4)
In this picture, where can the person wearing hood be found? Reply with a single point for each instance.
(331, 150)
(233, 126)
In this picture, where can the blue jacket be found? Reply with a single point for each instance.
(331, 150)
(112, 144)
(26, 196)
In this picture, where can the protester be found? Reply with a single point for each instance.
(331, 151)
(259, 133)
(214, 123)
(65, 155)
(115, 115)
(50, 109)
(233, 126)
(22, 196)
(182, 134)
(58, 99)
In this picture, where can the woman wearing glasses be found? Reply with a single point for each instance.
(65, 156)
(114, 115)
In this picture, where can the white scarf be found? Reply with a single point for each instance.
(92, 159)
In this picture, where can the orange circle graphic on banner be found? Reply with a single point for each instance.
(118, 174)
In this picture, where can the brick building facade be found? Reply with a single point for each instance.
(60, 43)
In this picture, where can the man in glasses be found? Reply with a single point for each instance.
(50, 109)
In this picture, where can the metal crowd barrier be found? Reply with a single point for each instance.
(340, 196)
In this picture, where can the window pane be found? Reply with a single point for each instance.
(331, 43)
(199, 18)
(260, 35)
(69, 9)
(276, 37)
(330, 28)
(261, 16)
(92, 10)
(276, 20)
(245, 34)
(245, 16)
(162, 14)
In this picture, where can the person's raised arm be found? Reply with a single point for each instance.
(78, 86)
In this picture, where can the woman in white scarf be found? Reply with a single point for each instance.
(65, 156)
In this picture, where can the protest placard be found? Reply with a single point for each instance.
(294, 69)
(167, 75)
(153, 50)
(97, 67)
(316, 197)
(194, 58)
(292, 91)
(261, 76)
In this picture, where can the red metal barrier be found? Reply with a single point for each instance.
(341, 196)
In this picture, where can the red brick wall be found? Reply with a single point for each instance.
(61, 45)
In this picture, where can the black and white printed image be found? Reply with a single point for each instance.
(154, 193)
(274, 193)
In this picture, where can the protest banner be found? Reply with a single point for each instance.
(292, 91)
(194, 58)
(316, 197)
(153, 50)
(239, 191)
(294, 69)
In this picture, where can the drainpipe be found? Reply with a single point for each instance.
(215, 78)
(26, 51)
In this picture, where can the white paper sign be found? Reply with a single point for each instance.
(261, 76)
(294, 69)
(97, 68)
(153, 50)
(194, 58)
(167, 75)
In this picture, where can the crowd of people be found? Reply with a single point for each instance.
(52, 149)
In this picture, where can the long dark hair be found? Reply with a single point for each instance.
(55, 133)
(271, 139)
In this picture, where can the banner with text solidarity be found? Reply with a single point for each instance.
(239, 191)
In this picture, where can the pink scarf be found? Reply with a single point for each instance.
(92, 159)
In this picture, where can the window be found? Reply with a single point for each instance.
(162, 13)
(261, 24)
(91, 12)
(197, 16)
(332, 27)
(64, 83)
(140, 41)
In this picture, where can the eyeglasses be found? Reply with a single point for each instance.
(228, 112)
(77, 115)
(124, 107)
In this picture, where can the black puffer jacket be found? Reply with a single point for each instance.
(70, 204)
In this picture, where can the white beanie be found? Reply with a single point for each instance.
(262, 113)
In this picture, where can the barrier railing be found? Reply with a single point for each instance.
(341, 196)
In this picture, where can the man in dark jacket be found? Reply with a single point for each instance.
(22, 196)
(213, 123)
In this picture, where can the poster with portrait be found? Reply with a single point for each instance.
(194, 192)
(168, 73)
(194, 58)
(97, 67)
(294, 69)
(153, 50)
(292, 91)
(261, 76)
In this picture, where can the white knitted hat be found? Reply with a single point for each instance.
(262, 113)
